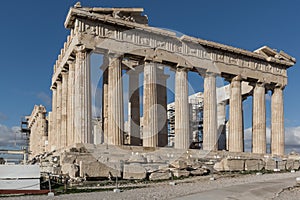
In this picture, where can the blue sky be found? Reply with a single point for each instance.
(32, 34)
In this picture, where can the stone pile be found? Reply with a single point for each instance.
(138, 163)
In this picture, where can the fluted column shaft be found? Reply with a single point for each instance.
(277, 122)
(236, 138)
(150, 118)
(210, 139)
(182, 126)
(58, 114)
(162, 107)
(82, 97)
(259, 120)
(105, 105)
(221, 108)
(53, 131)
(64, 99)
(134, 109)
(116, 112)
(71, 104)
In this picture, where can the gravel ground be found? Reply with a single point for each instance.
(184, 187)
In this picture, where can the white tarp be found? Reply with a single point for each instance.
(20, 177)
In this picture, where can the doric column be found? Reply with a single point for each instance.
(259, 119)
(58, 114)
(210, 139)
(82, 97)
(71, 103)
(52, 118)
(182, 126)
(134, 109)
(277, 122)
(162, 106)
(221, 108)
(115, 96)
(64, 103)
(150, 123)
(105, 103)
(236, 138)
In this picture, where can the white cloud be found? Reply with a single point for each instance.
(292, 139)
(11, 137)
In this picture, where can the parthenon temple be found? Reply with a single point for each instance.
(83, 112)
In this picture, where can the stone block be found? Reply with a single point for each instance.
(271, 165)
(155, 159)
(229, 164)
(289, 164)
(151, 167)
(67, 158)
(254, 164)
(234, 165)
(159, 176)
(196, 165)
(296, 165)
(134, 172)
(199, 172)
(56, 170)
(219, 166)
(179, 164)
(71, 169)
(180, 173)
(85, 158)
(98, 169)
(137, 158)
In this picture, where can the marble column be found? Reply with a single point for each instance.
(64, 103)
(221, 108)
(182, 115)
(162, 106)
(259, 119)
(105, 104)
(210, 133)
(277, 122)
(150, 118)
(58, 113)
(134, 109)
(236, 137)
(53, 131)
(82, 97)
(115, 96)
(71, 104)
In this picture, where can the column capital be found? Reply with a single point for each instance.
(53, 87)
(71, 62)
(237, 78)
(279, 86)
(185, 69)
(80, 49)
(113, 57)
(210, 74)
(258, 84)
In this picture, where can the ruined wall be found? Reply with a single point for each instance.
(38, 125)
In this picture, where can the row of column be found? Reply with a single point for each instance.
(70, 117)
(151, 138)
(236, 138)
(155, 106)
(71, 109)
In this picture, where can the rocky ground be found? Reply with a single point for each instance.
(195, 185)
